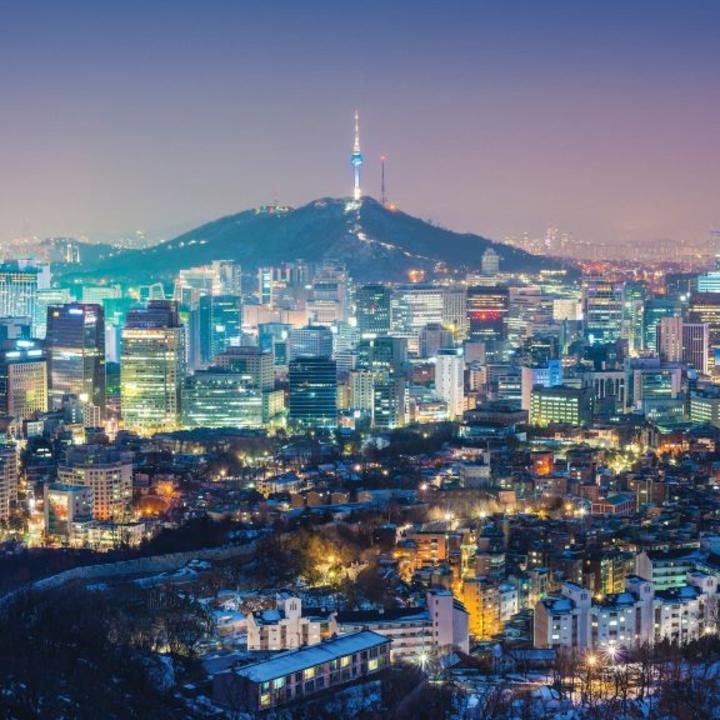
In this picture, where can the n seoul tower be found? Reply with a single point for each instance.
(356, 160)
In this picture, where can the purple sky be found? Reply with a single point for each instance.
(599, 117)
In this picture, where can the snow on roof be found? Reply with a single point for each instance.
(292, 661)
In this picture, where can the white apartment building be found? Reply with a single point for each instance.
(416, 632)
(639, 615)
(450, 380)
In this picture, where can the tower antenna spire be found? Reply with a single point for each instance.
(356, 160)
(383, 196)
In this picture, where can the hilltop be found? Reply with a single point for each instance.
(374, 242)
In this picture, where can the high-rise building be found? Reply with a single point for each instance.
(311, 341)
(657, 308)
(414, 306)
(634, 295)
(23, 379)
(221, 398)
(8, 479)
(18, 291)
(487, 310)
(560, 405)
(653, 384)
(548, 375)
(603, 310)
(266, 285)
(490, 262)
(433, 337)
(152, 367)
(683, 342)
(75, 344)
(107, 472)
(226, 322)
(450, 380)
(530, 313)
(327, 302)
(221, 277)
(709, 282)
(215, 323)
(705, 309)
(362, 384)
(382, 353)
(454, 314)
(250, 361)
(696, 346)
(385, 357)
(669, 339)
(313, 392)
(228, 278)
(46, 298)
(705, 406)
(373, 309)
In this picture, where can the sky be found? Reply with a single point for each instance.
(503, 117)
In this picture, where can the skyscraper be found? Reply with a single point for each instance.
(705, 308)
(313, 392)
(311, 341)
(215, 323)
(657, 308)
(414, 306)
(23, 379)
(487, 310)
(454, 314)
(603, 310)
(18, 291)
(696, 346)
(373, 309)
(385, 357)
(152, 367)
(76, 353)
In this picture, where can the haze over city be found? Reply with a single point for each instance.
(497, 117)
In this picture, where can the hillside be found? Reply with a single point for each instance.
(373, 241)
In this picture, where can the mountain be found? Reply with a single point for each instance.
(376, 243)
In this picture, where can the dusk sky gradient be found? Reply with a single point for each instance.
(497, 117)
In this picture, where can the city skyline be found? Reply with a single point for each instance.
(597, 120)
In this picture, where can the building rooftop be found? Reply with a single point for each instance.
(388, 615)
(293, 661)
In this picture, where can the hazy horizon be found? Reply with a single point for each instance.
(497, 118)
